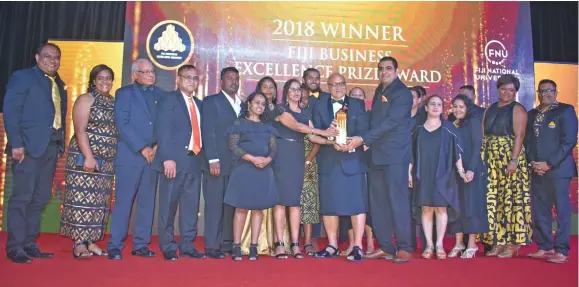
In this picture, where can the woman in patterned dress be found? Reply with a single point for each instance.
(508, 195)
(90, 166)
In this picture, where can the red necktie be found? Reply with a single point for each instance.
(196, 148)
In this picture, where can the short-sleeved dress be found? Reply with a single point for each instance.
(289, 165)
(251, 187)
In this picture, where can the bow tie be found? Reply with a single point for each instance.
(315, 94)
(341, 102)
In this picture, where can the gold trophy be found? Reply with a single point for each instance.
(342, 119)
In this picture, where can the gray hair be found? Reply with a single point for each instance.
(135, 66)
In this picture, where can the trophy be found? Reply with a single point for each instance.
(342, 119)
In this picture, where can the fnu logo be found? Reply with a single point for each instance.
(495, 52)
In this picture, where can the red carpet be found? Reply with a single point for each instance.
(141, 272)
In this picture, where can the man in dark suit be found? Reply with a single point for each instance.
(179, 125)
(135, 113)
(34, 119)
(219, 113)
(389, 142)
(469, 91)
(342, 171)
(550, 138)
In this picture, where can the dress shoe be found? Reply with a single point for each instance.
(356, 255)
(379, 254)
(143, 252)
(115, 254)
(18, 256)
(216, 254)
(35, 252)
(402, 257)
(170, 255)
(193, 254)
(226, 247)
(540, 254)
(558, 258)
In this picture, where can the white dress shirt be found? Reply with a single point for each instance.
(236, 105)
(188, 103)
(338, 106)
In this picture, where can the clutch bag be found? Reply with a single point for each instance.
(80, 162)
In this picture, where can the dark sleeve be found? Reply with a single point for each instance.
(272, 143)
(568, 122)
(476, 135)
(457, 150)
(234, 136)
(279, 109)
(163, 129)
(398, 114)
(413, 144)
(14, 99)
(362, 120)
(122, 121)
(208, 130)
(530, 136)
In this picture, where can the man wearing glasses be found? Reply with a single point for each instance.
(550, 139)
(135, 113)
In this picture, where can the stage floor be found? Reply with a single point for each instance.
(63, 270)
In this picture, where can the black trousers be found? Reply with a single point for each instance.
(31, 190)
(183, 191)
(218, 233)
(390, 207)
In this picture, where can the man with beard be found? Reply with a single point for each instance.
(219, 112)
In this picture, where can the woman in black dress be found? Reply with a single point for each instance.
(472, 195)
(251, 183)
(292, 122)
(435, 153)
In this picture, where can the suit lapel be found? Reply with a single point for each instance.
(330, 108)
(181, 102)
(43, 82)
(141, 99)
(226, 102)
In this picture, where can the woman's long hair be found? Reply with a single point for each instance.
(93, 74)
(244, 112)
(286, 88)
(471, 110)
(261, 82)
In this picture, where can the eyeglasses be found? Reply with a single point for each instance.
(340, 84)
(190, 79)
(147, 72)
(547, 91)
(298, 90)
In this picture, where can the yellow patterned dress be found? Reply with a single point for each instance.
(87, 199)
(508, 197)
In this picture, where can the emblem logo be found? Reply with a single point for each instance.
(170, 44)
(495, 52)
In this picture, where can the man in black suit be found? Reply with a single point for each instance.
(219, 113)
(179, 125)
(389, 142)
(35, 121)
(550, 138)
(469, 91)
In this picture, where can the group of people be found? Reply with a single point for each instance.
(493, 174)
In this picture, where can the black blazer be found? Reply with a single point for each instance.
(217, 116)
(29, 111)
(173, 132)
(557, 138)
(389, 134)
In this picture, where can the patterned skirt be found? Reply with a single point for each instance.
(87, 201)
(508, 197)
(310, 198)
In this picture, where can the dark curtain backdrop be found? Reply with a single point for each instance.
(25, 25)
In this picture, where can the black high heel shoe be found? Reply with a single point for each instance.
(356, 255)
(236, 253)
(253, 252)
(298, 255)
(326, 254)
(280, 255)
(89, 243)
(83, 254)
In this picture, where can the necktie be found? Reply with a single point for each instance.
(315, 94)
(341, 102)
(57, 123)
(196, 144)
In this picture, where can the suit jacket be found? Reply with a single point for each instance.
(557, 138)
(389, 134)
(217, 116)
(328, 158)
(173, 132)
(135, 125)
(29, 111)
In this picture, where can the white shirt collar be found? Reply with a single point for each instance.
(233, 100)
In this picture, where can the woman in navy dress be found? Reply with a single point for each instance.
(435, 153)
(472, 195)
(251, 183)
(292, 122)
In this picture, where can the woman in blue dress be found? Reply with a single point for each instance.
(472, 195)
(292, 122)
(251, 183)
